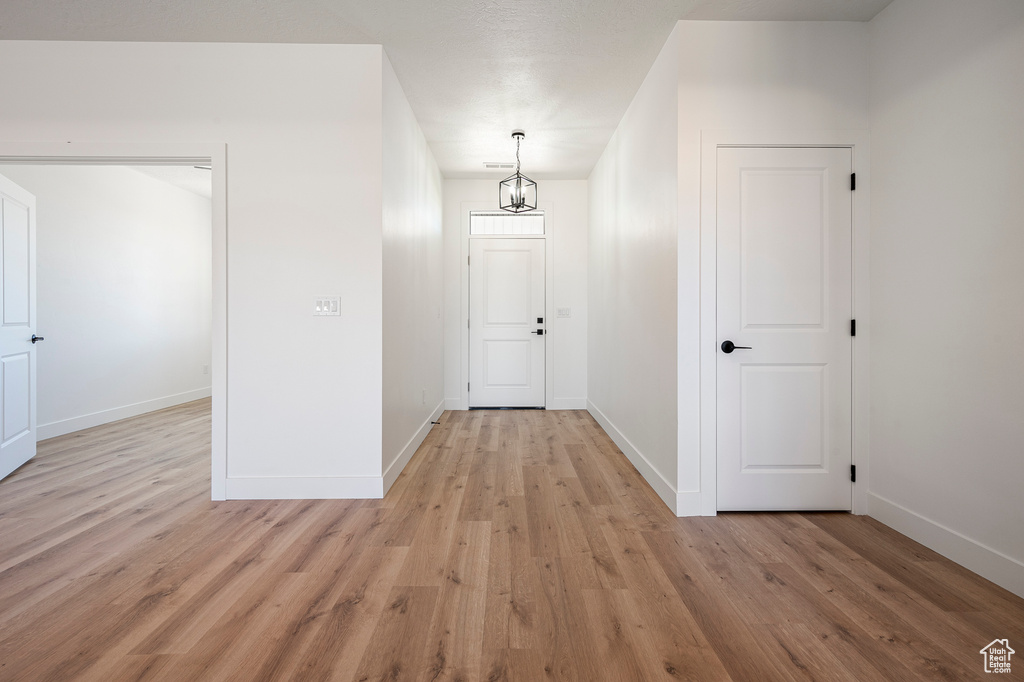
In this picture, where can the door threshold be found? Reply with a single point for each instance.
(508, 408)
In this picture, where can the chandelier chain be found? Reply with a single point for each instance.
(518, 140)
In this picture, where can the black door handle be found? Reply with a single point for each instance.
(539, 332)
(37, 338)
(729, 346)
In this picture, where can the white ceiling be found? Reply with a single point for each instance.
(563, 70)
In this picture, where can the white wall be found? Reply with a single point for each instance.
(947, 418)
(633, 240)
(302, 125)
(124, 294)
(566, 204)
(413, 280)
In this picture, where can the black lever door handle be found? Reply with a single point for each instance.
(37, 338)
(539, 332)
(729, 346)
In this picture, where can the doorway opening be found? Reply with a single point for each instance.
(785, 302)
(507, 320)
(761, 233)
(130, 275)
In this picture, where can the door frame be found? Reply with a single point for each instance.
(549, 286)
(157, 154)
(711, 141)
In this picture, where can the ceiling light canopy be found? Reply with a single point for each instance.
(517, 193)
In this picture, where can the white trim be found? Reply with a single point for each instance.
(305, 488)
(548, 207)
(130, 153)
(492, 212)
(549, 300)
(659, 483)
(398, 464)
(567, 404)
(465, 207)
(711, 140)
(688, 504)
(989, 563)
(87, 421)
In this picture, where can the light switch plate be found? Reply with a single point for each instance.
(564, 312)
(327, 305)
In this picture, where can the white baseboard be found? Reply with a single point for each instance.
(689, 504)
(989, 563)
(392, 470)
(666, 491)
(86, 421)
(567, 404)
(303, 488)
(555, 404)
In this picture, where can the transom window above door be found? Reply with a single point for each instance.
(483, 223)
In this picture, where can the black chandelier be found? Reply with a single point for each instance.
(517, 193)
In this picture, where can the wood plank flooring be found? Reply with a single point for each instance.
(517, 545)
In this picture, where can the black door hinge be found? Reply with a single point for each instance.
(853, 327)
(853, 181)
(853, 473)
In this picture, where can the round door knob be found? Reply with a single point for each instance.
(729, 346)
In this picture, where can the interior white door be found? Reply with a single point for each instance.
(17, 323)
(506, 322)
(785, 292)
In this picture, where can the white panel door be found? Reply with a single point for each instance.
(506, 312)
(17, 323)
(785, 291)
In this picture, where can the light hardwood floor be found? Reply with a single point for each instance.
(516, 546)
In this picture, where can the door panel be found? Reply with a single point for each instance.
(783, 240)
(14, 377)
(507, 363)
(16, 254)
(17, 313)
(506, 301)
(506, 298)
(782, 417)
(785, 290)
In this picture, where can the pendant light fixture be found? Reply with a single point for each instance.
(517, 193)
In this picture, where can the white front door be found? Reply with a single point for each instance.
(506, 322)
(17, 324)
(785, 292)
